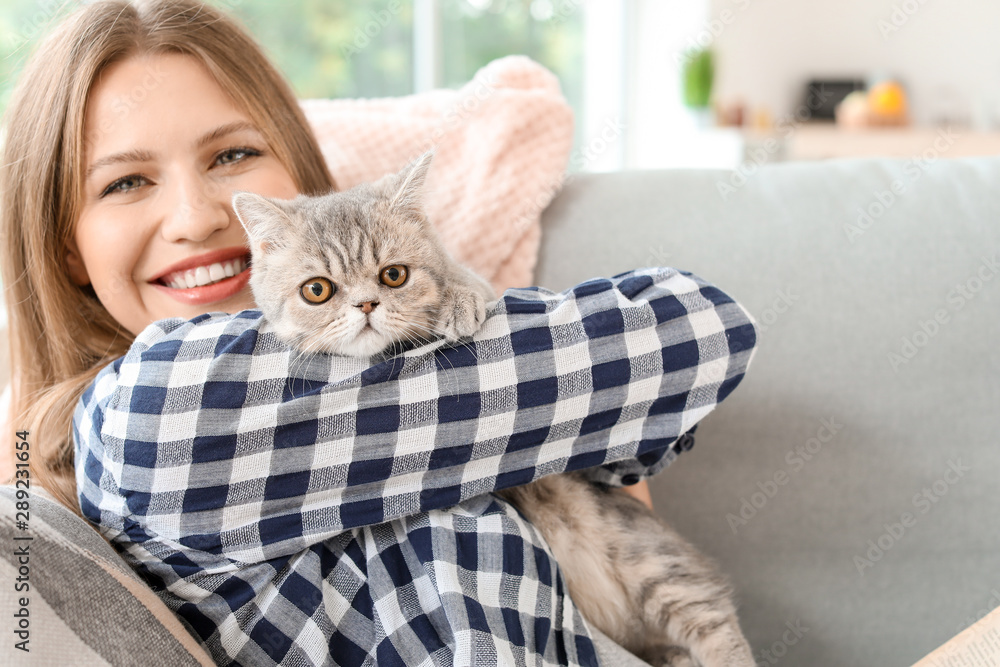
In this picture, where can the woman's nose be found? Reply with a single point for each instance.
(196, 208)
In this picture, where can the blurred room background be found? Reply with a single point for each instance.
(655, 83)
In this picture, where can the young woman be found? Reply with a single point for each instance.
(130, 128)
(79, 258)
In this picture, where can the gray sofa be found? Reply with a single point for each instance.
(847, 487)
(874, 396)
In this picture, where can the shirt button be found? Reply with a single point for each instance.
(630, 479)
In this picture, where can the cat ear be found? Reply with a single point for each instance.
(262, 218)
(410, 184)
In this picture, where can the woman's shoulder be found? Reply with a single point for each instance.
(206, 326)
(175, 349)
(205, 336)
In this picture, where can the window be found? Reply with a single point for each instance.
(377, 48)
(334, 49)
(22, 23)
(615, 59)
(366, 48)
(474, 32)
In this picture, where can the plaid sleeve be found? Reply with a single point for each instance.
(213, 435)
(631, 471)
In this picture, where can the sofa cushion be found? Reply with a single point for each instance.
(84, 605)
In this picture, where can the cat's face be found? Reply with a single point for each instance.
(347, 273)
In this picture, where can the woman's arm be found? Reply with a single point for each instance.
(212, 435)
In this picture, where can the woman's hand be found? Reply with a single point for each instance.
(639, 491)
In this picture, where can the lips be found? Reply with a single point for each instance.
(203, 260)
(214, 276)
(204, 275)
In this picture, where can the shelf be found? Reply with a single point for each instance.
(820, 142)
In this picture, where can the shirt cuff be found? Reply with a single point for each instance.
(632, 471)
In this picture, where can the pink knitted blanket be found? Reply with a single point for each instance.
(502, 144)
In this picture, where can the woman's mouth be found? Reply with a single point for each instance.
(205, 275)
(206, 284)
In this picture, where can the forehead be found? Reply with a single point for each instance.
(153, 99)
(357, 243)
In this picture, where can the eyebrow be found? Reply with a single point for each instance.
(136, 155)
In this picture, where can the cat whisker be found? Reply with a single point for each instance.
(316, 340)
(422, 339)
(438, 355)
(440, 334)
(303, 358)
(397, 347)
(406, 331)
(298, 351)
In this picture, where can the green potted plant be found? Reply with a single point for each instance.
(697, 75)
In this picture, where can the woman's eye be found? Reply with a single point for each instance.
(394, 275)
(317, 290)
(124, 184)
(227, 157)
(234, 155)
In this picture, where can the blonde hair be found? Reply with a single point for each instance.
(60, 334)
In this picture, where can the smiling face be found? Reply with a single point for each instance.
(165, 149)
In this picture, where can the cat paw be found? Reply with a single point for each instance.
(465, 315)
(675, 656)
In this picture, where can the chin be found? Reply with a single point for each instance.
(363, 345)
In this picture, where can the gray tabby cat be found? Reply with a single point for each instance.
(360, 272)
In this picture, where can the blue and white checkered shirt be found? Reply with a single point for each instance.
(322, 510)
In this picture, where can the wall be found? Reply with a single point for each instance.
(946, 52)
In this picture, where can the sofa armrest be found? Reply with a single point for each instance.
(75, 598)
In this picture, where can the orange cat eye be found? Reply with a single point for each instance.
(394, 275)
(317, 290)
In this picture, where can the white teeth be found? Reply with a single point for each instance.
(205, 275)
(216, 272)
(201, 277)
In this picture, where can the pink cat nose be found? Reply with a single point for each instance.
(367, 306)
